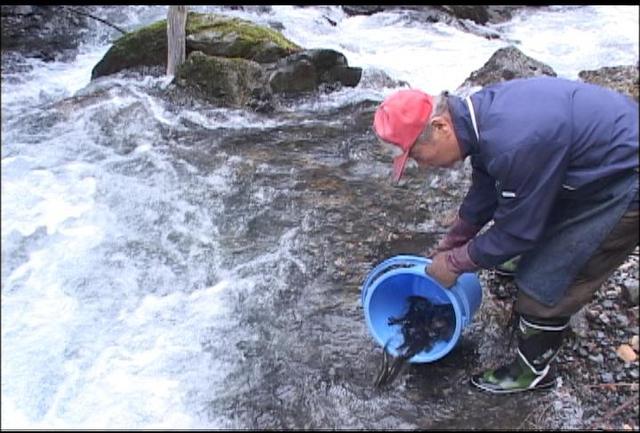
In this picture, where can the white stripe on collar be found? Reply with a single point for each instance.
(473, 117)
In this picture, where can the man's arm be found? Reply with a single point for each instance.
(531, 178)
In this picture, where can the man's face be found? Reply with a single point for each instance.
(441, 151)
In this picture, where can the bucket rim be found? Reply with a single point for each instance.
(421, 357)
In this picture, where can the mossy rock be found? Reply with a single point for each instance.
(212, 34)
(226, 81)
(216, 35)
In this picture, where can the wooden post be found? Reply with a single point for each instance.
(176, 37)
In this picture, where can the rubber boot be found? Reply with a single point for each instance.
(539, 341)
(508, 268)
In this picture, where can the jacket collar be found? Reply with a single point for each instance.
(463, 125)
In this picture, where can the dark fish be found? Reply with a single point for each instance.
(422, 326)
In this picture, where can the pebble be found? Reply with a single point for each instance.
(597, 358)
(633, 342)
(607, 377)
(604, 319)
(612, 294)
(591, 313)
(622, 320)
(627, 354)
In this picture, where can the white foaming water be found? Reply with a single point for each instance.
(571, 39)
(111, 283)
(436, 57)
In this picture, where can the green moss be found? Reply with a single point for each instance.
(230, 79)
(251, 33)
(148, 45)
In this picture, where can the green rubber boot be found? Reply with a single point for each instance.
(508, 268)
(539, 341)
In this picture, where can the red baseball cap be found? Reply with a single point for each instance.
(400, 119)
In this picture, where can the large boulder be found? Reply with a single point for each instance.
(232, 62)
(506, 64)
(211, 34)
(238, 82)
(45, 32)
(623, 79)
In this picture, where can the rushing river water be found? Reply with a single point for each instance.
(168, 266)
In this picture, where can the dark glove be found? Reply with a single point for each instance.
(459, 234)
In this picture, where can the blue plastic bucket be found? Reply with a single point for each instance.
(385, 292)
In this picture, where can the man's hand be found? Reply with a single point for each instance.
(441, 271)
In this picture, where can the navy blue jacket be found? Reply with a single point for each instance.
(539, 139)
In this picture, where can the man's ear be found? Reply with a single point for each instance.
(441, 124)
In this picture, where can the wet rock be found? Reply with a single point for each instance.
(362, 9)
(377, 78)
(226, 82)
(45, 32)
(507, 64)
(307, 70)
(624, 79)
